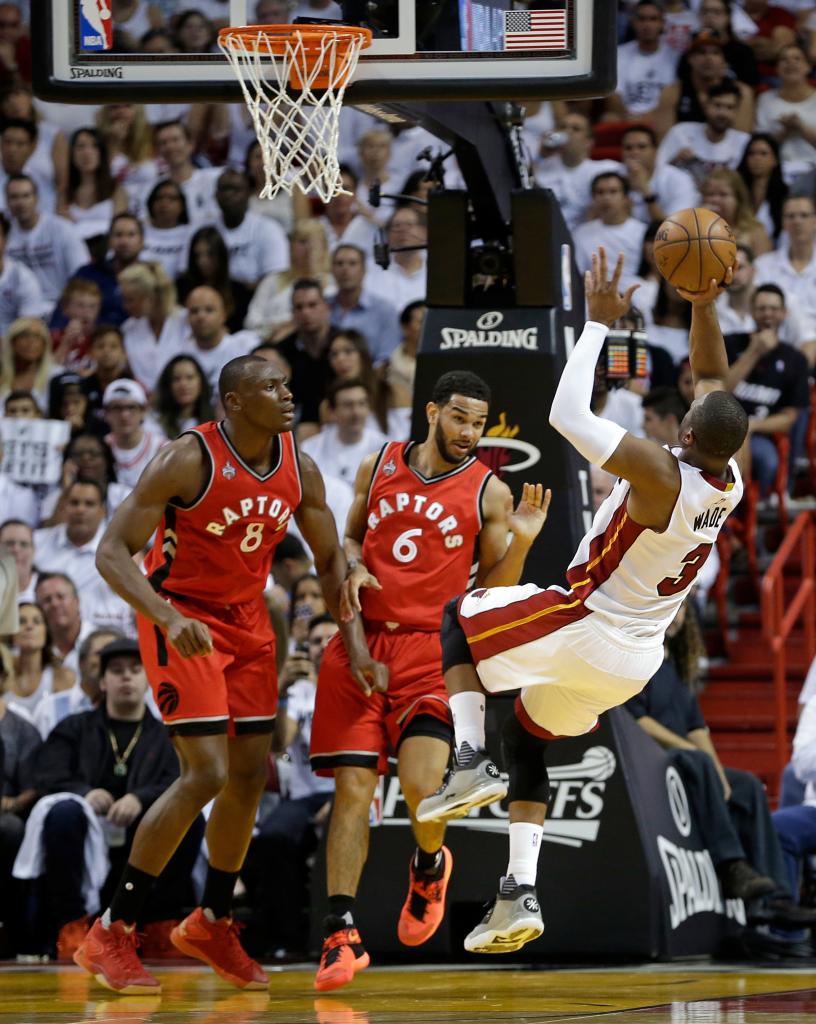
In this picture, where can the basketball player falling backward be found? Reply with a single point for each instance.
(577, 652)
(220, 499)
(419, 513)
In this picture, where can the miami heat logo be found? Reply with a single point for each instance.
(168, 698)
(502, 451)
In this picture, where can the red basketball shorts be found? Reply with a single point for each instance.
(233, 690)
(351, 729)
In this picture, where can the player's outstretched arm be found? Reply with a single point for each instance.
(501, 564)
(317, 526)
(707, 355)
(177, 471)
(651, 470)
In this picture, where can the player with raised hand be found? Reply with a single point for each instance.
(577, 651)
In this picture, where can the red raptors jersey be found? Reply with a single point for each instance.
(219, 548)
(420, 537)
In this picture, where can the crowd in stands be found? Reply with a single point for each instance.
(136, 260)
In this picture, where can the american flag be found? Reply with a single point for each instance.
(536, 30)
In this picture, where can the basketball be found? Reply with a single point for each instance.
(694, 246)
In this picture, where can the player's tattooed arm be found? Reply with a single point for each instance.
(357, 574)
(316, 523)
(501, 564)
(177, 471)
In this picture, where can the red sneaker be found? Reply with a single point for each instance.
(71, 936)
(217, 944)
(156, 942)
(342, 957)
(109, 954)
(424, 905)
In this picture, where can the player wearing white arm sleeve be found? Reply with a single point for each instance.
(579, 650)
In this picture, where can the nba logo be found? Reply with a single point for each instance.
(95, 26)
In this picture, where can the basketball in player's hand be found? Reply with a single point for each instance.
(694, 246)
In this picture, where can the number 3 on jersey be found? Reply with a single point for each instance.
(692, 564)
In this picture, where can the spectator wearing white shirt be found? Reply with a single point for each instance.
(654, 192)
(645, 65)
(50, 246)
(70, 547)
(59, 600)
(374, 149)
(14, 497)
(18, 143)
(167, 230)
(209, 342)
(615, 229)
(17, 540)
(125, 405)
(341, 446)
(20, 291)
(789, 112)
(257, 245)
(156, 326)
(345, 219)
(354, 307)
(700, 147)
(405, 280)
(794, 268)
(174, 148)
(91, 198)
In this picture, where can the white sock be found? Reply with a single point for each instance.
(468, 710)
(106, 919)
(525, 842)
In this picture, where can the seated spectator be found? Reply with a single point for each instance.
(129, 139)
(99, 772)
(208, 263)
(716, 19)
(654, 192)
(17, 497)
(67, 401)
(17, 540)
(26, 363)
(87, 456)
(769, 378)
(50, 156)
(167, 230)
(614, 227)
(307, 604)
(133, 446)
(92, 197)
(698, 147)
(789, 111)
(108, 360)
(18, 144)
(349, 359)
(174, 148)
(20, 292)
(125, 243)
(374, 156)
(305, 349)
(663, 412)
(50, 246)
(156, 325)
(193, 33)
(729, 806)
(761, 170)
(354, 307)
(182, 398)
(35, 672)
(400, 371)
(84, 694)
(58, 598)
(70, 546)
(688, 99)
(80, 305)
(775, 29)
(207, 338)
(645, 66)
(21, 405)
(270, 310)
(404, 280)
(725, 193)
(256, 245)
(287, 836)
(345, 219)
(793, 267)
(342, 445)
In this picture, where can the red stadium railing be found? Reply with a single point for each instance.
(781, 613)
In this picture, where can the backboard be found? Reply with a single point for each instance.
(422, 49)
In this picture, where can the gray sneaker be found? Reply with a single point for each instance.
(514, 918)
(469, 784)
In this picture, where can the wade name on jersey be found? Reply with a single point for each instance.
(712, 518)
(434, 512)
(251, 508)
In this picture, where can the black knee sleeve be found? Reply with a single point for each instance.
(524, 756)
(455, 649)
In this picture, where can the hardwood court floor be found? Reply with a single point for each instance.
(479, 995)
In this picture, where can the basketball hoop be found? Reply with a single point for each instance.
(293, 78)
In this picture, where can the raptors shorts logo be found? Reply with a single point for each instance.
(531, 904)
(168, 699)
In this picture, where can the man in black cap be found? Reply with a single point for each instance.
(119, 759)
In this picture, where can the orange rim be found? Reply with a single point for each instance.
(278, 37)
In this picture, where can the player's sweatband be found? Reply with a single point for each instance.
(595, 438)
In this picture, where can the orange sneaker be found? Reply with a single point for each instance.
(424, 905)
(217, 944)
(342, 957)
(109, 954)
(71, 936)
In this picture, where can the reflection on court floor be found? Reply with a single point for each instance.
(476, 995)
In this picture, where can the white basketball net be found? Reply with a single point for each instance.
(299, 129)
